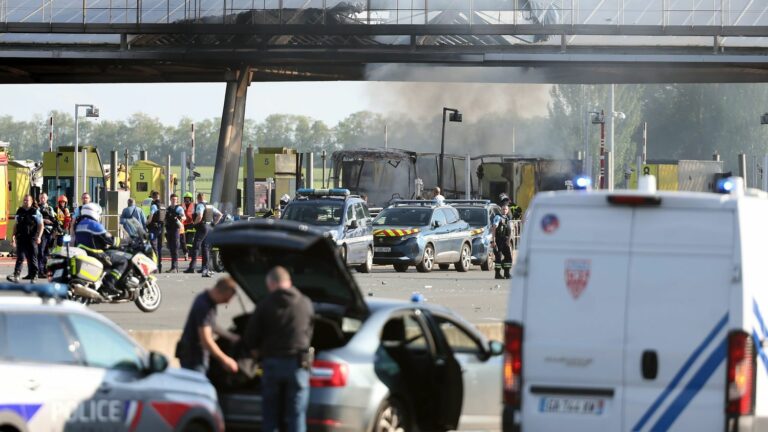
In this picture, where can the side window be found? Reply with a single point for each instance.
(439, 216)
(104, 347)
(38, 338)
(457, 338)
(366, 213)
(350, 213)
(359, 213)
(404, 332)
(451, 215)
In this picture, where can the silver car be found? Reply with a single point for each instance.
(65, 367)
(380, 365)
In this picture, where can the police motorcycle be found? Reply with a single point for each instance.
(84, 274)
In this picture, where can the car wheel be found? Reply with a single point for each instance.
(444, 266)
(401, 268)
(488, 263)
(392, 417)
(465, 259)
(426, 264)
(367, 266)
(196, 427)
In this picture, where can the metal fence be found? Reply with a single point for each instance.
(574, 12)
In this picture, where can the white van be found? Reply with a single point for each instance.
(639, 311)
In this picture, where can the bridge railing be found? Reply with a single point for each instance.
(472, 12)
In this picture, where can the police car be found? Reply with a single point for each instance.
(479, 215)
(343, 216)
(422, 233)
(65, 367)
(640, 310)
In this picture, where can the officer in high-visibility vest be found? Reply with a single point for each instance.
(204, 215)
(502, 234)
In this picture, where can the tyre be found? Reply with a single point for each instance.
(150, 296)
(465, 259)
(392, 417)
(401, 268)
(444, 266)
(428, 262)
(196, 426)
(367, 266)
(217, 263)
(488, 263)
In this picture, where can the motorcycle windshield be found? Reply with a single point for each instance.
(133, 229)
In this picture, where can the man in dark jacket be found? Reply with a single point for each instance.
(27, 235)
(279, 333)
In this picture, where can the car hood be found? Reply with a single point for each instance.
(396, 231)
(250, 249)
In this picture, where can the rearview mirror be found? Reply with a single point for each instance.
(157, 362)
(436, 224)
(67, 239)
(352, 225)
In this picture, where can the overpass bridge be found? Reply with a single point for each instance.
(239, 41)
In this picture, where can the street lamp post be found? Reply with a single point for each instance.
(599, 118)
(455, 116)
(90, 111)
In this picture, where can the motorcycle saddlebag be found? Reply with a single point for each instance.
(86, 268)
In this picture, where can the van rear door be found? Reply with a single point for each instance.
(681, 270)
(573, 319)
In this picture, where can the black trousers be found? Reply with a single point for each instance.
(26, 248)
(200, 246)
(42, 252)
(172, 234)
(156, 239)
(503, 254)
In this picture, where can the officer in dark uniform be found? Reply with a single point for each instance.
(27, 235)
(204, 215)
(51, 226)
(502, 233)
(157, 212)
(174, 217)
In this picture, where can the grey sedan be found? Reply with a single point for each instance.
(380, 365)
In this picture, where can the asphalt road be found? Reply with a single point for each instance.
(475, 295)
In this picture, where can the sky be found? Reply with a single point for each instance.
(171, 102)
(326, 101)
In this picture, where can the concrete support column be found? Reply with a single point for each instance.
(225, 174)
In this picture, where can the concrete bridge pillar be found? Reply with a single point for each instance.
(225, 173)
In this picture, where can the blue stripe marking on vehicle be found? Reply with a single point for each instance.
(25, 411)
(759, 316)
(696, 383)
(760, 350)
(680, 374)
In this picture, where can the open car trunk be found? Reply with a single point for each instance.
(249, 250)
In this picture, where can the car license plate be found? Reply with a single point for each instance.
(588, 406)
(382, 249)
(58, 273)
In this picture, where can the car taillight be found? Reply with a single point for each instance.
(328, 374)
(741, 374)
(513, 363)
(634, 200)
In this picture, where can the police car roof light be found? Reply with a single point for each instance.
(582, 183)
(46, 290)
(731, 185)
(417, 297)
(322, 192)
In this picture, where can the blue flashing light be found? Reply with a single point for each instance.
(48, 290)
(725, 185)
(582, 183)
(417, 297)
(322, 192)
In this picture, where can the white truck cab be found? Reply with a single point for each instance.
(639, 311)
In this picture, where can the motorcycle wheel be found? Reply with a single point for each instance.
(150, 296)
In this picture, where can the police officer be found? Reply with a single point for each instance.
(279, 333)
(84, 199)
(91, 235)
(502, 233)
(204, 215)
(27, 236)
(50, 228)
(157, 212)
(188, 238)
(174, 217)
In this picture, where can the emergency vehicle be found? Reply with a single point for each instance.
(639, 310)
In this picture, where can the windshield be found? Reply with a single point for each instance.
(404, 217)
(475, 217)
(315, 213)
(133, 228)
